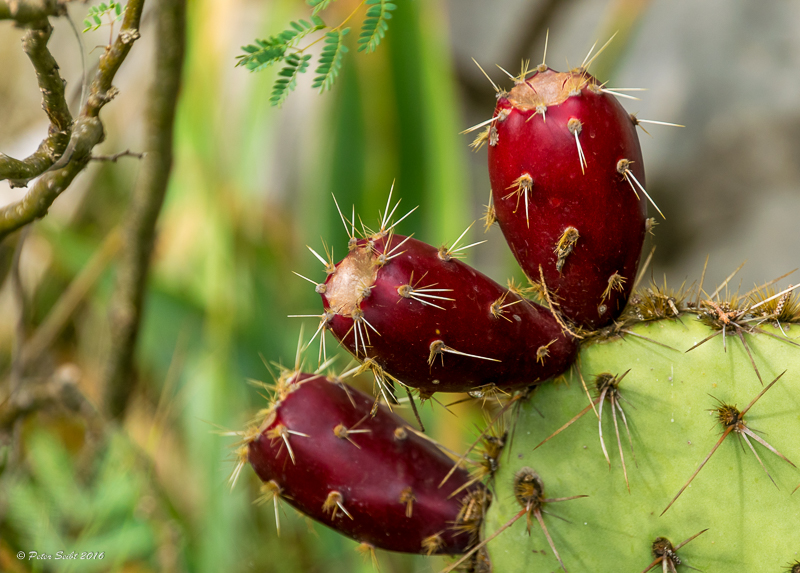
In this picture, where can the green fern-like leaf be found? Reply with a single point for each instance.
(375, 24)
(287, 78)
(264, 53)
(330, 60)
(320, 5)
(93, 20)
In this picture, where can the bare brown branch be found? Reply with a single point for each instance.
(87, 130)
(30, 11)
(139, 232)
(19, 172)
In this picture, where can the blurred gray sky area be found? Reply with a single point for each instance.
(729, 70)
(729, 182)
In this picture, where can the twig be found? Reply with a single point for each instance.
(58, 317)
(25, 12)
(17, 171)
(21, 330)
(139, 231)
(60, 391)
(113, 158)
(87, 130)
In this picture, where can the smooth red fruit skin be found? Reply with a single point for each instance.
(370, 476)
(599, 203)
(407, 327)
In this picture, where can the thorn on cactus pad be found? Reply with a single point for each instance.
(494, 85)
(588, 62)
(439, 348)
(637, 122)
(368, 552)
(623, 168)
(480, 139)
(487, 447)
(658, 301)
(732, 315)
(522, 185)
(543, 351)
(490, 214)
(333, 503)
(351, 231)
(553, 307)
(606, 388)
(529, 493)
(615, 282)
(794, 567)
(281, 432)
(733, 420)
(343, 432)
(616, 92)
(449, 253)
(432, 544)
(498, 308)
(494, 136)
(271, 491)
(407, 498)
(575, 127)
(319, 288)
(329, 264)
(423, 294)
(666, 554)
(564, 246)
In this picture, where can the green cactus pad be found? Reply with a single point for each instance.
(753, 525)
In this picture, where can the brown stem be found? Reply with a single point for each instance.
(87, 130)
(139, 231)
(19, 172)
(25, 12)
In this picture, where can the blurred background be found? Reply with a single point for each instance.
(251, 188)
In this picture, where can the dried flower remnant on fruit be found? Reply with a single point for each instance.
(345, 286)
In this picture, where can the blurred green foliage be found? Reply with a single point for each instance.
(251, 187)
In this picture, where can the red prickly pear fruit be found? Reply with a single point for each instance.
(367, 476)
(426, 319)
(563, 160)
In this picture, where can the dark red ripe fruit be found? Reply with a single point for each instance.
(436, 324)
(369, 477)
(564, 158)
